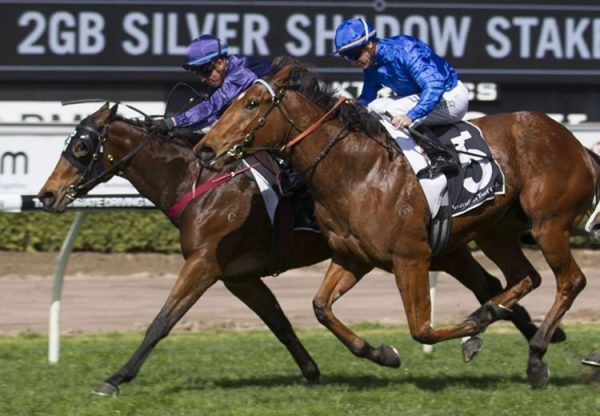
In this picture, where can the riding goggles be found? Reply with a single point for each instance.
(201, 70)
(353, 54)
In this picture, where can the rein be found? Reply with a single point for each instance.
(239, 150)
(315, 125)
(96, 138)
(114, 169)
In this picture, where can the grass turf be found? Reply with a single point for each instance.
(220, 372)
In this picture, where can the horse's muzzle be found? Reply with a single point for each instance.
(51, 202)
(206, 155)
(48, 200)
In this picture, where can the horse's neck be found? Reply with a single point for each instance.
(344, 166)
(162, 172)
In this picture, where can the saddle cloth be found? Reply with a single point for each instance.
(479, 179)
(302, 206)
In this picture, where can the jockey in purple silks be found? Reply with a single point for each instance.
(226, 76)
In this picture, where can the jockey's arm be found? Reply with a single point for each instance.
(207, 111)
(370, 89)
(427, 76)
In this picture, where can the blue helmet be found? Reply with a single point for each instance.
(203, 49)
(351, 34)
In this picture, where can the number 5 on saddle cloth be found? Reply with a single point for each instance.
(477, 180)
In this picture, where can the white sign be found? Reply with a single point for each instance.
(29, 153)
(588, 134)
(56, 112)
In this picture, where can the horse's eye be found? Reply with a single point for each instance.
(250, 104)
(79, 149)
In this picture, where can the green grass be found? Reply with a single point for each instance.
(249, 373)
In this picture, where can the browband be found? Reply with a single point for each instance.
(267, 86)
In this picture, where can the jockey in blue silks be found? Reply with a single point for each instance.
(427, 88)
(225, 75)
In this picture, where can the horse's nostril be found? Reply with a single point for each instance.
(205, 153)
(47, 198)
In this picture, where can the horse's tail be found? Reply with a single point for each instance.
(592, 225)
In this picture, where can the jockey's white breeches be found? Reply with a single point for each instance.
(451, 108)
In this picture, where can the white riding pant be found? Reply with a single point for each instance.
(451, 108)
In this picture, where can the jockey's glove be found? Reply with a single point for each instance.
(163, 125)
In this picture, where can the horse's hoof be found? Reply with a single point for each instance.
(311, 373)
(387, 356)
(595, 233)
(313, 381)
(471, 348)
(313, 377)
(593, 359)
(558, 336)
(106, 390)
(538, 375)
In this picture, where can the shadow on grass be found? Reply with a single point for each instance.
(369, 382)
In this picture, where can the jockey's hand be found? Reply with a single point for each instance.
(402, 121)
(163, 125)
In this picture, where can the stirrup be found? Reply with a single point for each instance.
(429, 172)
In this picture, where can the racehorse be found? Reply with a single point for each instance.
(373, 212)
(225, 234)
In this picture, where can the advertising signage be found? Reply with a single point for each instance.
(531, 42)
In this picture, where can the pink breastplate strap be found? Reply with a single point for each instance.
(178, 207)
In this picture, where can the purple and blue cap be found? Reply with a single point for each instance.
(204, 49)
(351, 34)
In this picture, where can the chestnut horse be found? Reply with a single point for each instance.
(225, 234)
(373, 213)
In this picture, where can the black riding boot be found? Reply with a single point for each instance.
(441, 162)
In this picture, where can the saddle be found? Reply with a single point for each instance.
(476, 179)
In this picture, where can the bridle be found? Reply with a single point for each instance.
(241, 149)
(92, 167)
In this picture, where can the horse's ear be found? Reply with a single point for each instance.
(282, 77)
(113, 110)
(106, 112)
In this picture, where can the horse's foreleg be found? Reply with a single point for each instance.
(195, 278)
(258, 297)
(410, 272)
(339, 280)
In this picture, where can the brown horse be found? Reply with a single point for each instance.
(225, 234)
(373, 213)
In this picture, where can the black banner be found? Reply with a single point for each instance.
(145, 40)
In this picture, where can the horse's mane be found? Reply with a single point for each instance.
(309, 84)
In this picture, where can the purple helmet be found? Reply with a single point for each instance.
(351, 34)
(203, 49)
